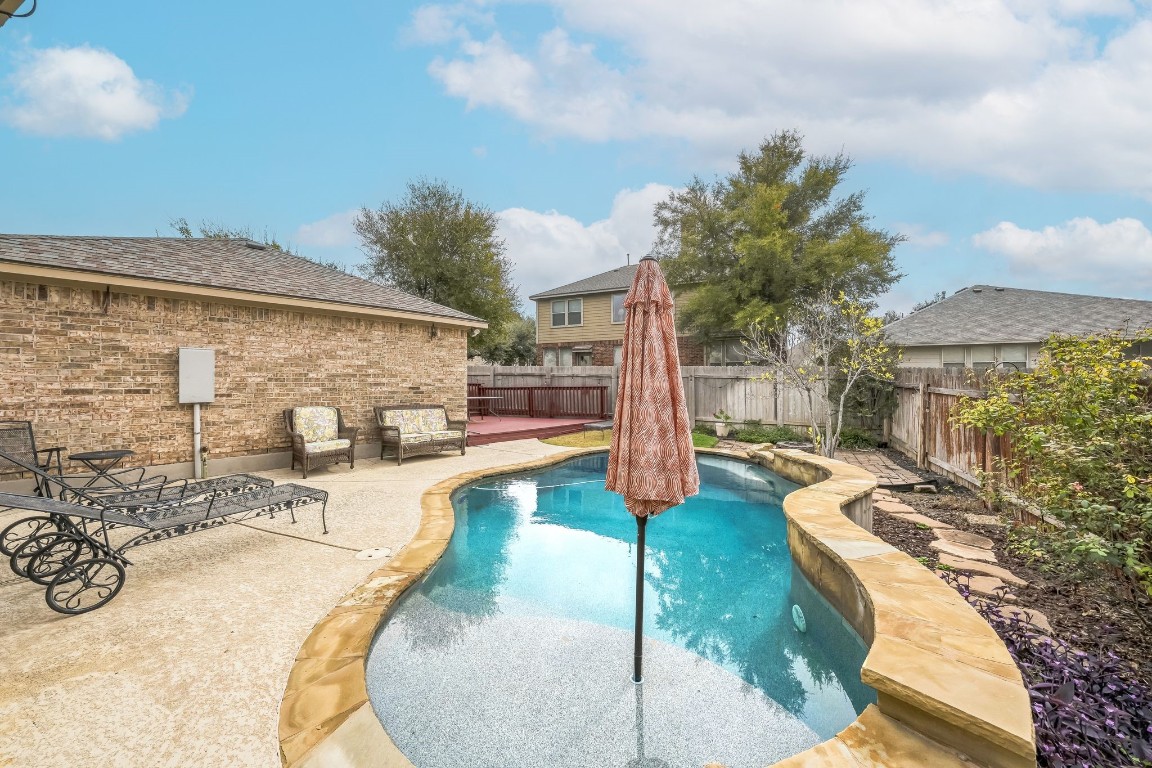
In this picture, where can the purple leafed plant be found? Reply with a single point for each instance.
(1089, 710)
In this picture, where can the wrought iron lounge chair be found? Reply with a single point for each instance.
(74, 555)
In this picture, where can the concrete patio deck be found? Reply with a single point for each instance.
(187, 666)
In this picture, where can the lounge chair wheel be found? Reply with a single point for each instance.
(85, 585)
(15, 534)
(34, 546)
(43, 566)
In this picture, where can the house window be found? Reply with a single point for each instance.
(549, 357)
(582, 357)
(565, 356)
(1014, 356)
(617, 355)
(952, 358)
(618, 307)
(567, 312)
(983, 358)
(726, 352)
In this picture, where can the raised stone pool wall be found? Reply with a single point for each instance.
(948, 693)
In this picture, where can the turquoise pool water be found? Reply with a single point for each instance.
(516, 648)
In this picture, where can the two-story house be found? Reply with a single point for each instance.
(985, 326)
(582, 323)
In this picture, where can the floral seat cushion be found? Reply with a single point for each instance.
(425, 421)
(317, 423)
(324, 446)
(447, 434)
(415, 437)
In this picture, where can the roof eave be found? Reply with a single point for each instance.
(174, 288)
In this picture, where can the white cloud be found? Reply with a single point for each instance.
(919, 236)
(551, 249)
(86, 92)
(1017, 89)
(1115, 256)
(334, 231)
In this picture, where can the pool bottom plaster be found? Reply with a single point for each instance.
(948, 692)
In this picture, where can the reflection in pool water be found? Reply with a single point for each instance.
(551, 548)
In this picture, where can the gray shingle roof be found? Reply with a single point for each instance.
(227, 264)
(987, 314)
(619, 279)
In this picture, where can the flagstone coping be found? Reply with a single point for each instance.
(938, 669)
(945, 682)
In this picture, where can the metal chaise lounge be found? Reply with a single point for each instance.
(74, 556)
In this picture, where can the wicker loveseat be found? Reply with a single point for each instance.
(320, 437)
(411, 430)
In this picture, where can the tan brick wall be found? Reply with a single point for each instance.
(91, 379)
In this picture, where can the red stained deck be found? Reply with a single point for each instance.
(493, 429)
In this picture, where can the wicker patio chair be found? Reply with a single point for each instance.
(18, 440)
(319, 436)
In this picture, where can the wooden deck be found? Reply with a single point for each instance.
(493, 429)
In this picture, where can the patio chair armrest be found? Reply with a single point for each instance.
(349, 433)
(458, 425)
(46, 462)
(297, 439)
(389, 431)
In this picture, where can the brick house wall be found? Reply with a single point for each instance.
(691, 351)
(91, 376)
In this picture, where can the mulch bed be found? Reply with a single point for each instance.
(1088, 615)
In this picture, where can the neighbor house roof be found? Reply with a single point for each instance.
(227, 264)
(619, 279)
(988, 314)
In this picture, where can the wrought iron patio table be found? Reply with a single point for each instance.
(484, 403)
(102, 463)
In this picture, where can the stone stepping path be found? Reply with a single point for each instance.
(918, 519)
(970, 552)
(965, 538)
(988, 569)
(964, 551)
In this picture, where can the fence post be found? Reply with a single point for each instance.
(922, 451)
(778, 398)
(492, 370)
(692, 398)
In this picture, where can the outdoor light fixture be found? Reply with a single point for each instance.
(433, 332)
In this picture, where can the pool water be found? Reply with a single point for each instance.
(517, 648)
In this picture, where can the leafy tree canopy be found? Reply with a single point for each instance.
(516, 345)
(435, 244)
(213, 231)
(768, 237)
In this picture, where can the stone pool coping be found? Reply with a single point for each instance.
(944, 679)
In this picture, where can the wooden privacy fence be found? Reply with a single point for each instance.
(922, 429)
(740, 391)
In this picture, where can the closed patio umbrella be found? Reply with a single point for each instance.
(651, 462)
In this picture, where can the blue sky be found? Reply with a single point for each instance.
(1008, 139)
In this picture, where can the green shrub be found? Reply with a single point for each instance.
(855, 437)
(1080, 427)
(758, 433)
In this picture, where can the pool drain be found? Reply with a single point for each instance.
(373, 554)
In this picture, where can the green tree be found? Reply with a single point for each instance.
(827, 351)
(768, 237)
(936, 299)
(516, 345)
(1081, 432)
(437, 245)
(213, 231)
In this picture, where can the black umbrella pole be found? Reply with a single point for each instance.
(641, 524)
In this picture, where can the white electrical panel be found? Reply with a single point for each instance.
(197, 375)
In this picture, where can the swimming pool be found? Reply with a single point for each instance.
(516, 648)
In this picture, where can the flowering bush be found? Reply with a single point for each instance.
(1081, 434)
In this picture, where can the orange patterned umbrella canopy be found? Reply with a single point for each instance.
(651, 462)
